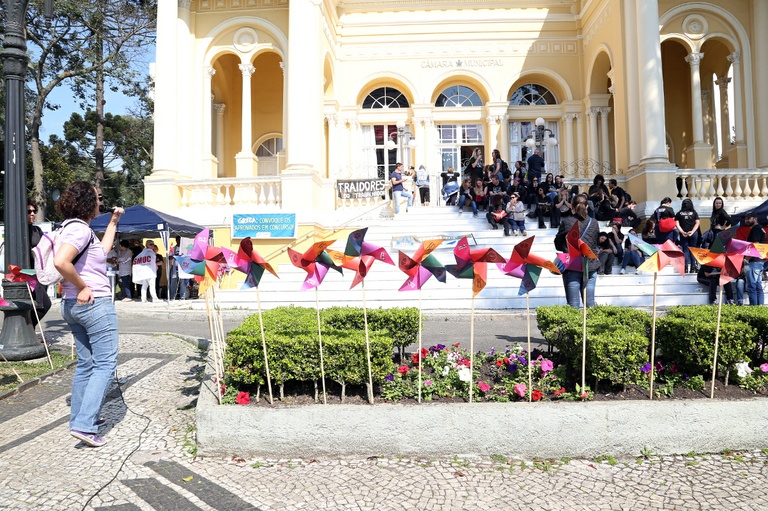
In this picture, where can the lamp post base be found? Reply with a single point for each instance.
(17, 338)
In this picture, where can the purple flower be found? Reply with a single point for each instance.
(437, 348)
(390, 377)
(659, 367)
(646, 368)
(492, 351)
(512, 368)
(522, 361)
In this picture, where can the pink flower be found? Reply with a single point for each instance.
(428, 383)
(484, 387)
(520, 389)
(764, 368)
(243, 398)
(547, 365)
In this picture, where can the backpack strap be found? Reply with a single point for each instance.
(85, 248)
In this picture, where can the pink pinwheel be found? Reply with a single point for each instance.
(665, 254)
(472, 264)
(577, 251)
(256, 264)
(19, 274)
(315, 261)
(526, 266)
(359, 255)
(200, 245)
(421, 267)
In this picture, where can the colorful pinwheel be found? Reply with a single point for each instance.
(666, 254)
(359, 255)
(19, 274)
(421, 267)
(200, 245)
(472, 264)
(315, 261)
(526, 266)
(254, 263)
(577, 251)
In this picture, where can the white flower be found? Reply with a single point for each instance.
(743, 369)
(464, 374)
(446, 370)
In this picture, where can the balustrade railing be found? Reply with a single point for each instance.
(730, 184)
(257, 192)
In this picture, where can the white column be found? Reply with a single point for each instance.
(570, 142)
(735, 60)
(185, 94)
(725, 130)
(305, 87)
(209, 169)
(594, 151)
(579, 141)
(651, 90)
(694, 60)
(494, 127)
(166, 89)
(760, 71)
(632, 98)
(334, 147)
(220, 108)
(246, 136)
(605, 147)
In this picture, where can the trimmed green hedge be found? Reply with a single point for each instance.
(293, 350)
(618, 339)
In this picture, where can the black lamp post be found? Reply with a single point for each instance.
(17, 338)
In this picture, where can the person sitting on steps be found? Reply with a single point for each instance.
(467, 196)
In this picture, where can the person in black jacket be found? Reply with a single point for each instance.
(573, 280)
(42, 301)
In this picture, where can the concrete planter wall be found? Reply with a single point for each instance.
(551, 430)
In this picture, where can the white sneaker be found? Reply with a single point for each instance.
(461, 211)
(525, 233)
(516, 233)
(623, 271)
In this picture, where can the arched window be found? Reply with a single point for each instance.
(458, 95)
(532, 94)
(270, 147)
(385, 97)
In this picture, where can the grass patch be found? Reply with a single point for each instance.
(28, 370)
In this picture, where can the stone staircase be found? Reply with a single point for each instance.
(501, 292)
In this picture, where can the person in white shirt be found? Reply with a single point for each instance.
(145, 273)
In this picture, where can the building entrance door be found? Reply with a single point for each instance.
(456, 143)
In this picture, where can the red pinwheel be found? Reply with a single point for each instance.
(421, 267)
(19, 274)
(359, 255)
(255, 264)
(315, 261)
(577, 251)
(526, 266)
(472, 264)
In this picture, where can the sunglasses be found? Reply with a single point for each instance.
(31, 211)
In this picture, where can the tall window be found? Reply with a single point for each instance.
(270, 147)
(378, 159)
(385, 97)
(518, 151)
(456, 143)
(532, 94)
(458, 95)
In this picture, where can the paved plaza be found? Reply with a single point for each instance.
(150, 463)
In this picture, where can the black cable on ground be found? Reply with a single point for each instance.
(122, 464)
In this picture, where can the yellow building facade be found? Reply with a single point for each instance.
(264, 105)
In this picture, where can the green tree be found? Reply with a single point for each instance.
(62, 50)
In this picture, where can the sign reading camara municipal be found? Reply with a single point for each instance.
(264, 225)
(360, 188)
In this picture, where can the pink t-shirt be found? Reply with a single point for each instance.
(92, 266)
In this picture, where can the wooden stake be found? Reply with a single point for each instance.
(584, 342)
(717, 342)
(653, 333)
(12, 368)
(37, 317)
(367, 347)
(530, 361)
(219, 376)
(264, 347)
(419, 346)
(320, 342)
(471, 347)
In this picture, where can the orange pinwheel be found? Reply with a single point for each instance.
(472, 264)
(666, 254)
(421, 267)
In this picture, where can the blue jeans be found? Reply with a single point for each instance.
(125, 285)
(402, 193)
(685, 243)
(94, 327)
(463, 199)
(574, 284)
(631, 258)
(755, 283)
(178, 285)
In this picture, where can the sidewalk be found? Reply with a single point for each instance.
(43, 468)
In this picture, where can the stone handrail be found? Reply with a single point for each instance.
(730, 184)
(261, 192)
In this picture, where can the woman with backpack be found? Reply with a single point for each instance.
(665, 221)
(422, 182)
(42, 301)
(574, 281)
(87, 306)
